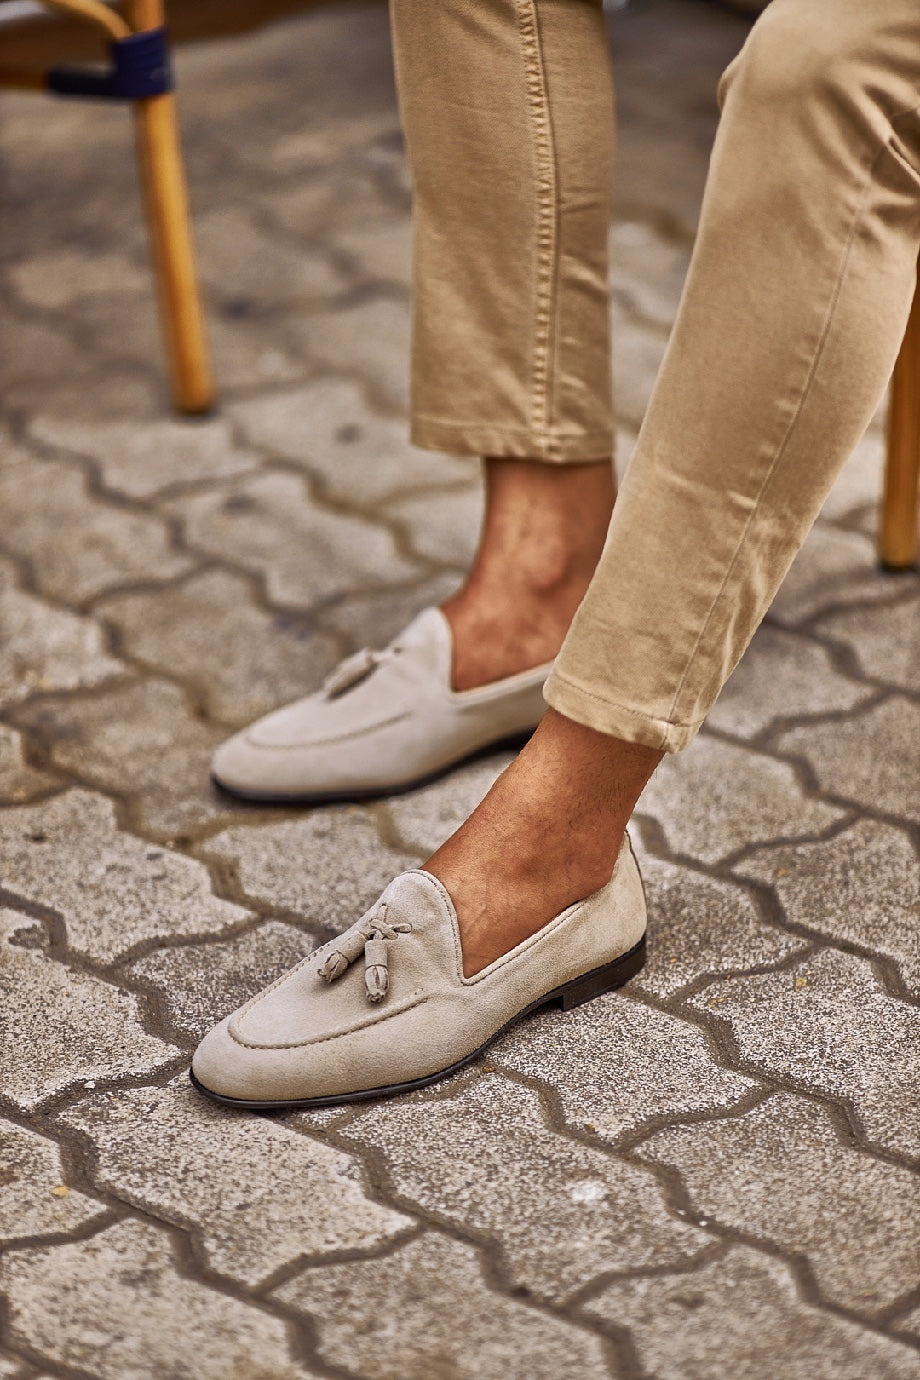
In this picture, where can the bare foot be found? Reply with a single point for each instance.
(547, 835)
(542, 536)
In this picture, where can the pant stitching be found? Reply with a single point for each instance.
(620, 707)
(554, 433)
(546, 232)
(784, 444)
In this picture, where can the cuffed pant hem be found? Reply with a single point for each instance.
(616, 720)
(456, 438)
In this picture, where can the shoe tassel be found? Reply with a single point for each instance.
(373, 940)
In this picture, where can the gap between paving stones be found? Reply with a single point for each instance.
(838, 1107)
(813, 791)
(495, 1271)
(554, 1121)
(190, 1252)
(299, 1327)
(725, 1052)
(373, 512)
(684, 1197)
(771, 909)
(193, 1235)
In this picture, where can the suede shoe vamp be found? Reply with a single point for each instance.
(304, 1038)
(384, 720)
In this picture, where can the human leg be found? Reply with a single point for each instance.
(791, 319)
(508, 112)
(507, 108)
(789, 325)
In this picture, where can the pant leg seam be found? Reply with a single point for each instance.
(546, 226)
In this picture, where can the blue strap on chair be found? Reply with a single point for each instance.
(140, 69)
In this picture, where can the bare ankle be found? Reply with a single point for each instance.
(543, 532)
(548, 834)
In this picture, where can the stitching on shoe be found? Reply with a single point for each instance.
(323, 742)
(408, 1004)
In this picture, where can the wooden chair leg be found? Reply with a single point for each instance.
(171, 236)
(898, 536)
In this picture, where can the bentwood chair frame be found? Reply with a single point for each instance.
(140, 72)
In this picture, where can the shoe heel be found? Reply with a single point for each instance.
(606, 979)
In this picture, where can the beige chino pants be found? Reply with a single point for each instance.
(790, 322)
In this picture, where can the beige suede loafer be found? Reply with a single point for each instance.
(383, 722)
(385, 1007)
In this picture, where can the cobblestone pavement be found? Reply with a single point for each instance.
(711, 1175)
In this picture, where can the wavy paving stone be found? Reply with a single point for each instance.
(79, 545)
(485, 1160)
(361, 457)
(638, 349)
(883, 640)
(34, 1199)
(314, 391)
(112, 890)
(369, 340)
(61, 1026)
(117, 1305)
(42, 648)
(443, 527)
(251, 350)
(782, 676)
(60, 279)
(861, 886)
(871, 758)
(172, 1152)
(855, 495)
(122, 325)
(426, 817)
(909, 1324)
(647, 271)
(381, 252)
(239, 260)
(781, 1173)
(142, 742)
(42, 352)
(373, 619)
(833, 567)
(716, 798)
(699, 926)
(327, 867)
(238, 660)
(18, 781)
(331, 204)
(406, 1332)
(11, 1368)
(307, 147)
(75, 389)
(829, 1025)
(742, 1316)
(200, 983)
(616, 1064)
(307, 554)
(141, 460)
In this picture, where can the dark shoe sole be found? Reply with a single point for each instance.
(516, 741)
(569, 996)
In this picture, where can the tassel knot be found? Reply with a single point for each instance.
(351, 672)
(373, 939)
